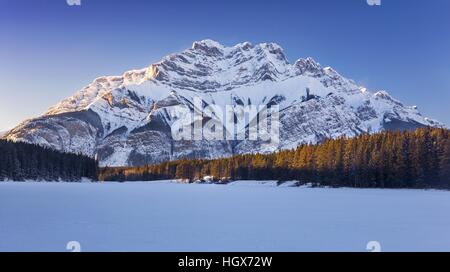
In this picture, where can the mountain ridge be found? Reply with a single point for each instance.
(126, 120)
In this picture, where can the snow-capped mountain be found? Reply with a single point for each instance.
(126, 120)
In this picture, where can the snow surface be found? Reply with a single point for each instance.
(243, 216)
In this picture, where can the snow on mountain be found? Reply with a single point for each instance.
(126, 120)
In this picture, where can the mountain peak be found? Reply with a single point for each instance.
(209, 47)
(207, 42)
(213, 47)
(308, 62)
(244, 45)
(126, 120)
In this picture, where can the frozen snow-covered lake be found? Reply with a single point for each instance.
(163, 216)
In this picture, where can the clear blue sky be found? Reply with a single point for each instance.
(49, 49)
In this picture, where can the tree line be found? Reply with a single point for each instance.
(22, 161)
(400, 159)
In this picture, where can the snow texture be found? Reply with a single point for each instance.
(241, 216)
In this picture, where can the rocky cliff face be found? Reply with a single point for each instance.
(127, 120)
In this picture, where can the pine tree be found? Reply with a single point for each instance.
(444, 165)
(386, 159)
